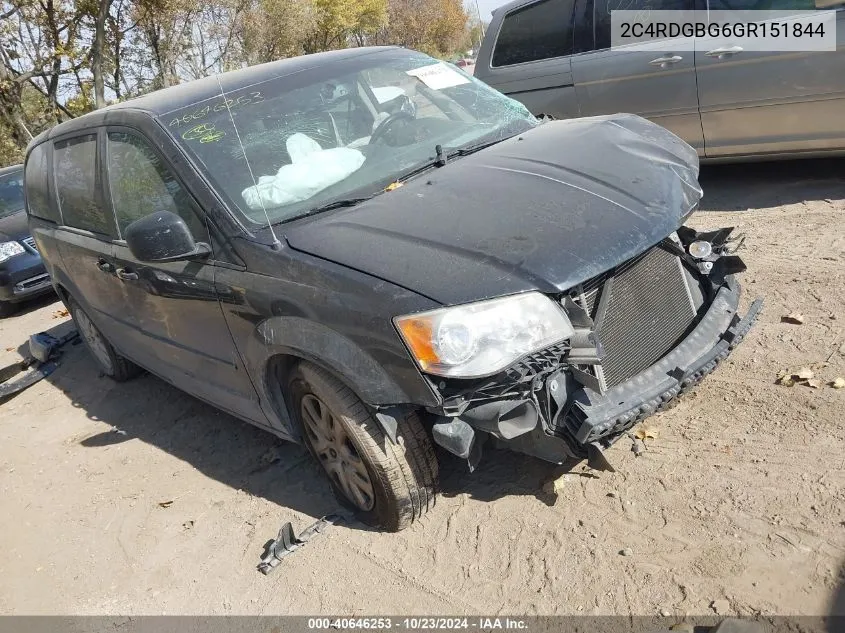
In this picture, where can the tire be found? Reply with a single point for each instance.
(106, 358)
(7, 309)
(402, 478)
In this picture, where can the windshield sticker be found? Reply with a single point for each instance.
(233, 104)
(438, 76)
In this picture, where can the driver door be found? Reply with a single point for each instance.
(175, 325)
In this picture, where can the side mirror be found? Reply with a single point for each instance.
(163, 237)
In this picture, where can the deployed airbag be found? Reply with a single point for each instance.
(312, 170)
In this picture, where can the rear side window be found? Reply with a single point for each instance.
(542, 30)
(36, 183)
(75, 166)
(11, 193)
(141, 184)
(602, 9)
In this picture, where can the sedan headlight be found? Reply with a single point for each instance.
(9, 250)
(480, 339)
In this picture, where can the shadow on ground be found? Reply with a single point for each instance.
(738, 187)
(242, 456)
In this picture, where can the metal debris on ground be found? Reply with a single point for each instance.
(45, 351)
(287, 542)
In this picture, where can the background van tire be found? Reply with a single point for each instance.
(105, 356)
(393, 485)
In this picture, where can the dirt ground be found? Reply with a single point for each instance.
(138, 499)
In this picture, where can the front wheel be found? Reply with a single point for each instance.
(388, 485)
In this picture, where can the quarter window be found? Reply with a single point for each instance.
(542, 30)
(36, 184)
(141, 184)
(75, 166)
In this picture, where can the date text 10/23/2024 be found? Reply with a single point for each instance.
(479, 623)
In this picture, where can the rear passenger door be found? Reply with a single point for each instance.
(86, 229)
(657, 85)
(529, 59)
(755, 102)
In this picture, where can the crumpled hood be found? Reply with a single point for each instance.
(14, 227)
(544, 211)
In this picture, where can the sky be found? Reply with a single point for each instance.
(486, 6)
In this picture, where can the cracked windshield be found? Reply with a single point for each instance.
(294, 145)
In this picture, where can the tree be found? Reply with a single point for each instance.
(436, 27)
(338, 21)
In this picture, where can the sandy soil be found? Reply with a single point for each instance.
(739, 500)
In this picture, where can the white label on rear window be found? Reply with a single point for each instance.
(438, 76)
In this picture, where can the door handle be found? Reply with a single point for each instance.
(126, 275)
(666, 61)
(104, 266)
(724, 51)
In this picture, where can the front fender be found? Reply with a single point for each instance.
(325, 347)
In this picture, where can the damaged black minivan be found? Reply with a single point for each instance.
(370, 251)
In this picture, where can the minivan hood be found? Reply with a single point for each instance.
(14, 227)
(544, 211)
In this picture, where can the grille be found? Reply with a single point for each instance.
(29, 241)
(646, 312)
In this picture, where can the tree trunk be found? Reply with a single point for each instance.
(98, 53)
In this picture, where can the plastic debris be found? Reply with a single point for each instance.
(287, 542)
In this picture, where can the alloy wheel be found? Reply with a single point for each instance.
(336, 452)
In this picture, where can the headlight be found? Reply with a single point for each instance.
(482, 338)
(9, 250)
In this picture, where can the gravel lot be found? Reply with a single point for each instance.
(737, 506)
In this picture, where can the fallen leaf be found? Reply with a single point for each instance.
(60, 314)
(645, 433)
(805, 373)
(796, 318)
(555, 486)
(813, 383)
(393, 185)
(165, 504)
(838, 383)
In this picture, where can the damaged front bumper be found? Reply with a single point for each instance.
(557, 408)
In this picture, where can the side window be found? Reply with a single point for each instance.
(36, 183)
(11, 192)
(542, 30)
(602, 9)
(141, 184)
(77, 183)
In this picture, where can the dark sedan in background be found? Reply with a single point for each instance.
(22, 273)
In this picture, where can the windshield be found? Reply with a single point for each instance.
(285, 146)
(11, 193)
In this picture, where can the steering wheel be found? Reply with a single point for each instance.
(382, 128)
